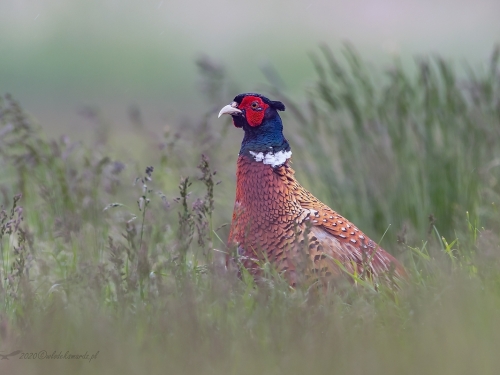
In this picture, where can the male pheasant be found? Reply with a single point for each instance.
(275, 219)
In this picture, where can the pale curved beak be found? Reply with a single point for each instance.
(230, 109)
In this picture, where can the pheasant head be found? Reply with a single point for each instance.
(258, 117)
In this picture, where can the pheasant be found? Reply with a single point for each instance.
(275, 219)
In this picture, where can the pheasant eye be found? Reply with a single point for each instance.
(254, 105)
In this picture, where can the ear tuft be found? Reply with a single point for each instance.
(277, 105)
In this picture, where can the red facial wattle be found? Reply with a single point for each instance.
(254, 108)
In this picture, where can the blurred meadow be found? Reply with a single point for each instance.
(118, 182)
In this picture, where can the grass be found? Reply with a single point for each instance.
(105, 256)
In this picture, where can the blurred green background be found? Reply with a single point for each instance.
(57, 56)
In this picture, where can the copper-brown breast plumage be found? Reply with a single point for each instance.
(276, 219)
